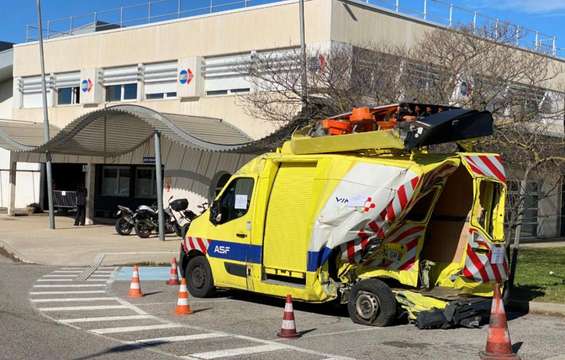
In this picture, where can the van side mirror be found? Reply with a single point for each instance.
(215, 214)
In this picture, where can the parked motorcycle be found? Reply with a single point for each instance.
(182, 221)
(125, 223)
(146, 220)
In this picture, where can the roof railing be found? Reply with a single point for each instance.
(439, 12)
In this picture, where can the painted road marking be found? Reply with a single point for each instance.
(54, 280)
(81, 308)
(134, 328)
(67, 292)
(74, 268)
(74, 299)
(239, 351)
(106, 318)
(72, 285)
(67, 271)
(59, 276)
(170, 339)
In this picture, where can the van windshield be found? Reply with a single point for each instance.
(487, 209)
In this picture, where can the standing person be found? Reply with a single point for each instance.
(80, 216)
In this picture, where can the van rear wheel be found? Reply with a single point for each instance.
(199, 280)
(372, 303)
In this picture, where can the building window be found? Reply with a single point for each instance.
(30, 88)
(161, 95)
(115, 181)
(160, 80)
(68, 96)
(67, 86)
(121, 82)
(145, 186)
(121, 92)
(228, 74)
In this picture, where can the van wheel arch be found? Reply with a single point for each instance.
(198, 275)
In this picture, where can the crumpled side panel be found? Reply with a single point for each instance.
(363, 207)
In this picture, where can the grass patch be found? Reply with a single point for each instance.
(533, 281)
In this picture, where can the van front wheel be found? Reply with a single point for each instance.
(372, 303)
(199, 280)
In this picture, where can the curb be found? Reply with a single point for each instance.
(13, 253)
(535, 307)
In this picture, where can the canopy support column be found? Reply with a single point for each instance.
(12, 188)
(159, 183)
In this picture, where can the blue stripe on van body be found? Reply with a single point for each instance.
(253, 253)
(317, 258)
(235, 251)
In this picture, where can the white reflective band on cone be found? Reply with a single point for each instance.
(183, 288)
(288, 307)
(182, 301)
(288, 324)
(134, 286)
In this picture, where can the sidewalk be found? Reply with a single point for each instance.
(29, 239)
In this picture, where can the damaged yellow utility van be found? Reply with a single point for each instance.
(363, 214)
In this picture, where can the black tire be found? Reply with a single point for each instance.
(123, 227)
(371, 302)
(142, 230)
(199, 280)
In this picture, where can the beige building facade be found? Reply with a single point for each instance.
(185, 66)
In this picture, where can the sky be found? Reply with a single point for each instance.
(546, 16)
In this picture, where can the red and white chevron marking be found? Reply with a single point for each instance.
(407, 236)
(486, 165)
(196, 243)
(478, 265)
(402, 198)
(353, 251)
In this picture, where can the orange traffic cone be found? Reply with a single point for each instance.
(288, 328)
(498, 340)
(173, 275)
(182, 304)
(135, 286)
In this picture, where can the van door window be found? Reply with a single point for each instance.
(487, 206)
(235, 200)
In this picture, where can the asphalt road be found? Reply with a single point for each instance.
(53, 313)
(27, 334)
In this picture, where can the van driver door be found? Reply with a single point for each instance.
(229, 235)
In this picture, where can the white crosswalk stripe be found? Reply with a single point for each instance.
(67, 292)
(69, 285)
(124, 329)
(106, 318)
(239, 351)
(170, 339)
(84, 308)
(54, 280)
(74, 299)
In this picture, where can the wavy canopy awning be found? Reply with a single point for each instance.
(120, 129)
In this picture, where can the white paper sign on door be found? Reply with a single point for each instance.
(240, 202)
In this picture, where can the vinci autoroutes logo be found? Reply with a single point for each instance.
(86, 85)
(185, 76)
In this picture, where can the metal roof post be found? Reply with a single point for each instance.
(159, 184)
